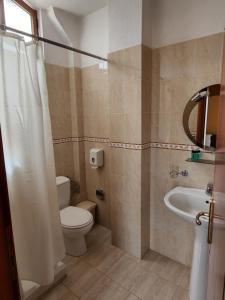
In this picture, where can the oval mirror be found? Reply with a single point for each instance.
(200, 117)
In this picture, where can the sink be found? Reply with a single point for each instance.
(187, 203)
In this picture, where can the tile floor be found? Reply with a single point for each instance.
(108, 273)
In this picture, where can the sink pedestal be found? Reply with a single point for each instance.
(199, 271)
(187, 203)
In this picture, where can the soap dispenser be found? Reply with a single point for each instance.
(96, 158)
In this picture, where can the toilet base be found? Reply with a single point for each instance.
(76, 246)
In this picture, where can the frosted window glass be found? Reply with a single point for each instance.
(17, 18)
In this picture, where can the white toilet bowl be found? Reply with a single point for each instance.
(76, 223)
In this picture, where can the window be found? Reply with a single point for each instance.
(19, 15)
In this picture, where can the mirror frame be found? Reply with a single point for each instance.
(214, 90)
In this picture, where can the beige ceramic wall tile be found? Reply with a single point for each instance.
(145, 200)
(125, 86)
(130, 100)
(176, 240)
(98, 179)
(64, 159)
(65, 103)
(178, 71)
(76, 101)
(95, 101)
(57, 77)
(125, 195)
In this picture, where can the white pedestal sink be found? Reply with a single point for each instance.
(187, 203)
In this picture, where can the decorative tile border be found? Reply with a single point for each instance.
(62, 140)
(173, 146)
(170, 146)
(131, 146)
(96, 140)
(80, 139)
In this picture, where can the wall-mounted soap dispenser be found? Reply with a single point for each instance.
(96, 158)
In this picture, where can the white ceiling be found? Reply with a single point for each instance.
(78, 7)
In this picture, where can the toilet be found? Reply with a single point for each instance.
(76, 222)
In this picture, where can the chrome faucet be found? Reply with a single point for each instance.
(209, 189)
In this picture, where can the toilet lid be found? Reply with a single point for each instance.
(72, 216)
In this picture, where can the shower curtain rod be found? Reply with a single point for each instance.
(39, 38)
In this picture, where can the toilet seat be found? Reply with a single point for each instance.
(74, 217)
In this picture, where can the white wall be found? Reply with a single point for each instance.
(94, 35)
(89, 33)
(125, 24)
(50, 28)
(180, 20)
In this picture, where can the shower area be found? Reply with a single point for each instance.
(53, 112)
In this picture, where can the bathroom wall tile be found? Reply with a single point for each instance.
(117, 157)
(64, 159)
(146, 63)
(126, 226)
(133, 128)
(146, 128)
(98, 179)
(125, 195)
(130, 122)
(129, 58)
(95, 97)
(146, 91)
(145, 200)
(76, 101)
(60, 113)
(57, 76)
(125, 85)
(79, 172)
(172, 241)
(117, 127)
(178, 60)
(178, 71)
(132, 85)
(65, 104)
(209, 58)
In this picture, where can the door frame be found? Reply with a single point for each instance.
(9, 287)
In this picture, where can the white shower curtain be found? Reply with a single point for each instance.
(28, 150)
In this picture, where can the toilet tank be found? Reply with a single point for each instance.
(63, 191)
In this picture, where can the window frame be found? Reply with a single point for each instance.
(22, 4)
